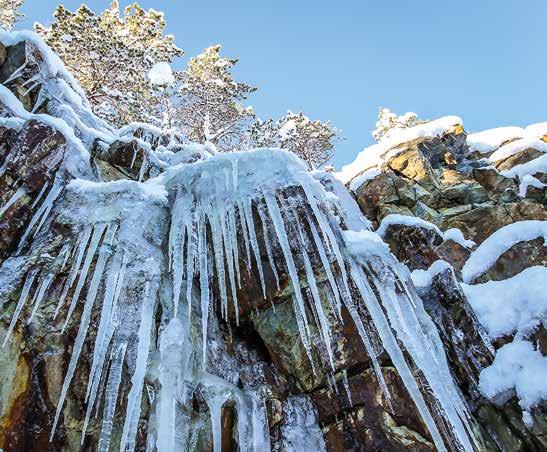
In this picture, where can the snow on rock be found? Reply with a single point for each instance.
(529, 181)
(456, 235)
(532, 167)
(405, 220)
(424, 278)
(517, 304)
(363, 242)
(538, 130)
(373, 156)
(362, 178)
(500, 241)
(161, 74)
(514, 147)
(491, 139)
(518, 368)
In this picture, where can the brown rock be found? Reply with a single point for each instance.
(519, 158)
(515, 259)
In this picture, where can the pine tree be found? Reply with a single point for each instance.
(388, 122)
(111, 56)
(9, 13)
(209, 101)
(263, 134)
(312, 140)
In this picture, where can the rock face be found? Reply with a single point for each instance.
(251, 314)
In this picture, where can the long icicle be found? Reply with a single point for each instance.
(22, 300)
(82, 330)
(248, 214)
(137, 380)
(14, 198)
(112, 389)
(98, 231)
(390, 344)
(81, 246)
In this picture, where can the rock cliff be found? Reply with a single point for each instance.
(157, 295)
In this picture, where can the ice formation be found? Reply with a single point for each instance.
(222, 215)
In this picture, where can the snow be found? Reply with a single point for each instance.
(405, 220)
(529, 181)
(161, 74)
(500, 241)
(373, 156)
(491, 139)
(514, 147)
(515, 305)
(518, 368)
(363, 242)
(424, 278)
(149, 190)
(538, 165)
(456, 235)
(358, 181)
(538, 130)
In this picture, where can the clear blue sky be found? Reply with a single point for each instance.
(484, 60)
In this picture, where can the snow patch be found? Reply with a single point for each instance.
(517, 304)
(424, 278)
(374, 155)
(518, 368)
(491, 139)
(405, 220)
(498, 243)
(161, 74)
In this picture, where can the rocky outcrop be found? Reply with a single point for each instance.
(311, 335)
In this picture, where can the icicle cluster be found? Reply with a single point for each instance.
(213, 224)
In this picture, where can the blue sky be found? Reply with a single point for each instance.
(484, 60)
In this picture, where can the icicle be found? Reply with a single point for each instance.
(218, 249)
(346, 386)
(190, 262)
(390, 344)
(80, 246)
(42, 211)
(323, 322)
(203, 284)
(93, 245)
(112, 389)
(170, 370)
(248, 214)
(228, 248)
(232, 231)
(22, 299)
(300, 308)
(245, 233)
(326, 266)
(137, 380)
(104, 336)
(328, 234)
(177, 238)
(14, 198)
(102, 339)
(40, 295)
(144, 167)
(40, 194)
(16, 73)
(215, 404)
(235, 173)
(261, 431)
(267, 244)
(84, 324)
